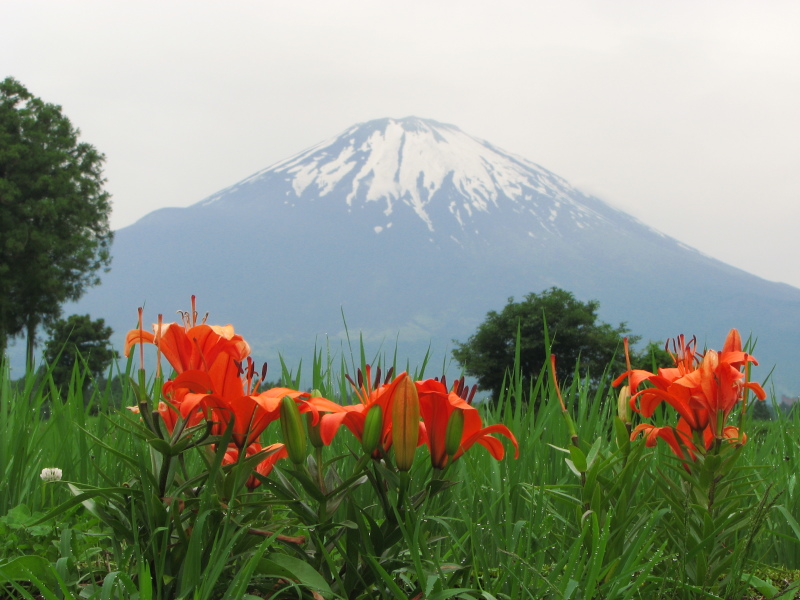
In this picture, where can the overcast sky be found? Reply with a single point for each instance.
(686, 114)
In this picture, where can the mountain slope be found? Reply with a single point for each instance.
(414, 230)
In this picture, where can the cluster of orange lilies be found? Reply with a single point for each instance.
(702, 388)
(216, 382)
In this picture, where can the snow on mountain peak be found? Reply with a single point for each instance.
(423, 164)
(409, 160)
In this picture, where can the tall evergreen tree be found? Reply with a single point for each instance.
(54, 229)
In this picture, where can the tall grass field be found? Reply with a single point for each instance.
(144, 508)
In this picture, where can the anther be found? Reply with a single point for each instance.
(251, 368)
(350, 379)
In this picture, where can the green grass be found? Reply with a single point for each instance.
(510, 529)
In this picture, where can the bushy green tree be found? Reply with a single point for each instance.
(78, 338)
(575, 333)
(54, 229)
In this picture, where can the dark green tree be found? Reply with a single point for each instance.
(575, 335)
(78, 339)
(54, 230)
(760, 410)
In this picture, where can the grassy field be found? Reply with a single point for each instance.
(593, 517)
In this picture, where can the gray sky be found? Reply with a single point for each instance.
(686, 114)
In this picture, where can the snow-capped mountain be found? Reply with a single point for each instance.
(391, 166)
(413, 230)
(425, 166)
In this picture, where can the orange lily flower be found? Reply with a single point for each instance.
(193, 348)
(684, 355)
(224, 392)
(169, 416)
(732, 351)
(354, 416)
(190, 345)
(682, 437)
(437, 406)
(277, 452)
(678, 438)
(698, 377)
(175, 396)
(717, 386)
(703, 392)
(667, 433)
(678, 397)
(707, 393)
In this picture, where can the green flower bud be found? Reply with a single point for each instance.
(314, 434)
(453, 433)
(294, 434)
(373, 427)
(624, 404)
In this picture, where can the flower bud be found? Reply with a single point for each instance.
(405, 424)
(294, 435)
(314, 433)
(453, 433)
(624, 404)
(373, 427)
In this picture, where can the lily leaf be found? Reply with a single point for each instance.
(572, 467)
(288, 567)
(594, 451)
(578, 459)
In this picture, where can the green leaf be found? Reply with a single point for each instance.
(376, 568)
(288, 567)
(20, 517)
(161, 446)
(572, 467)
(594, 451)
(790, 520)
(622, 435)
(308, 484)
(572, 585)
(764, 587)
(578, 459)
(115, 582)
(243, 576)
(463, 592)
(145, 582)
(24, 568)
